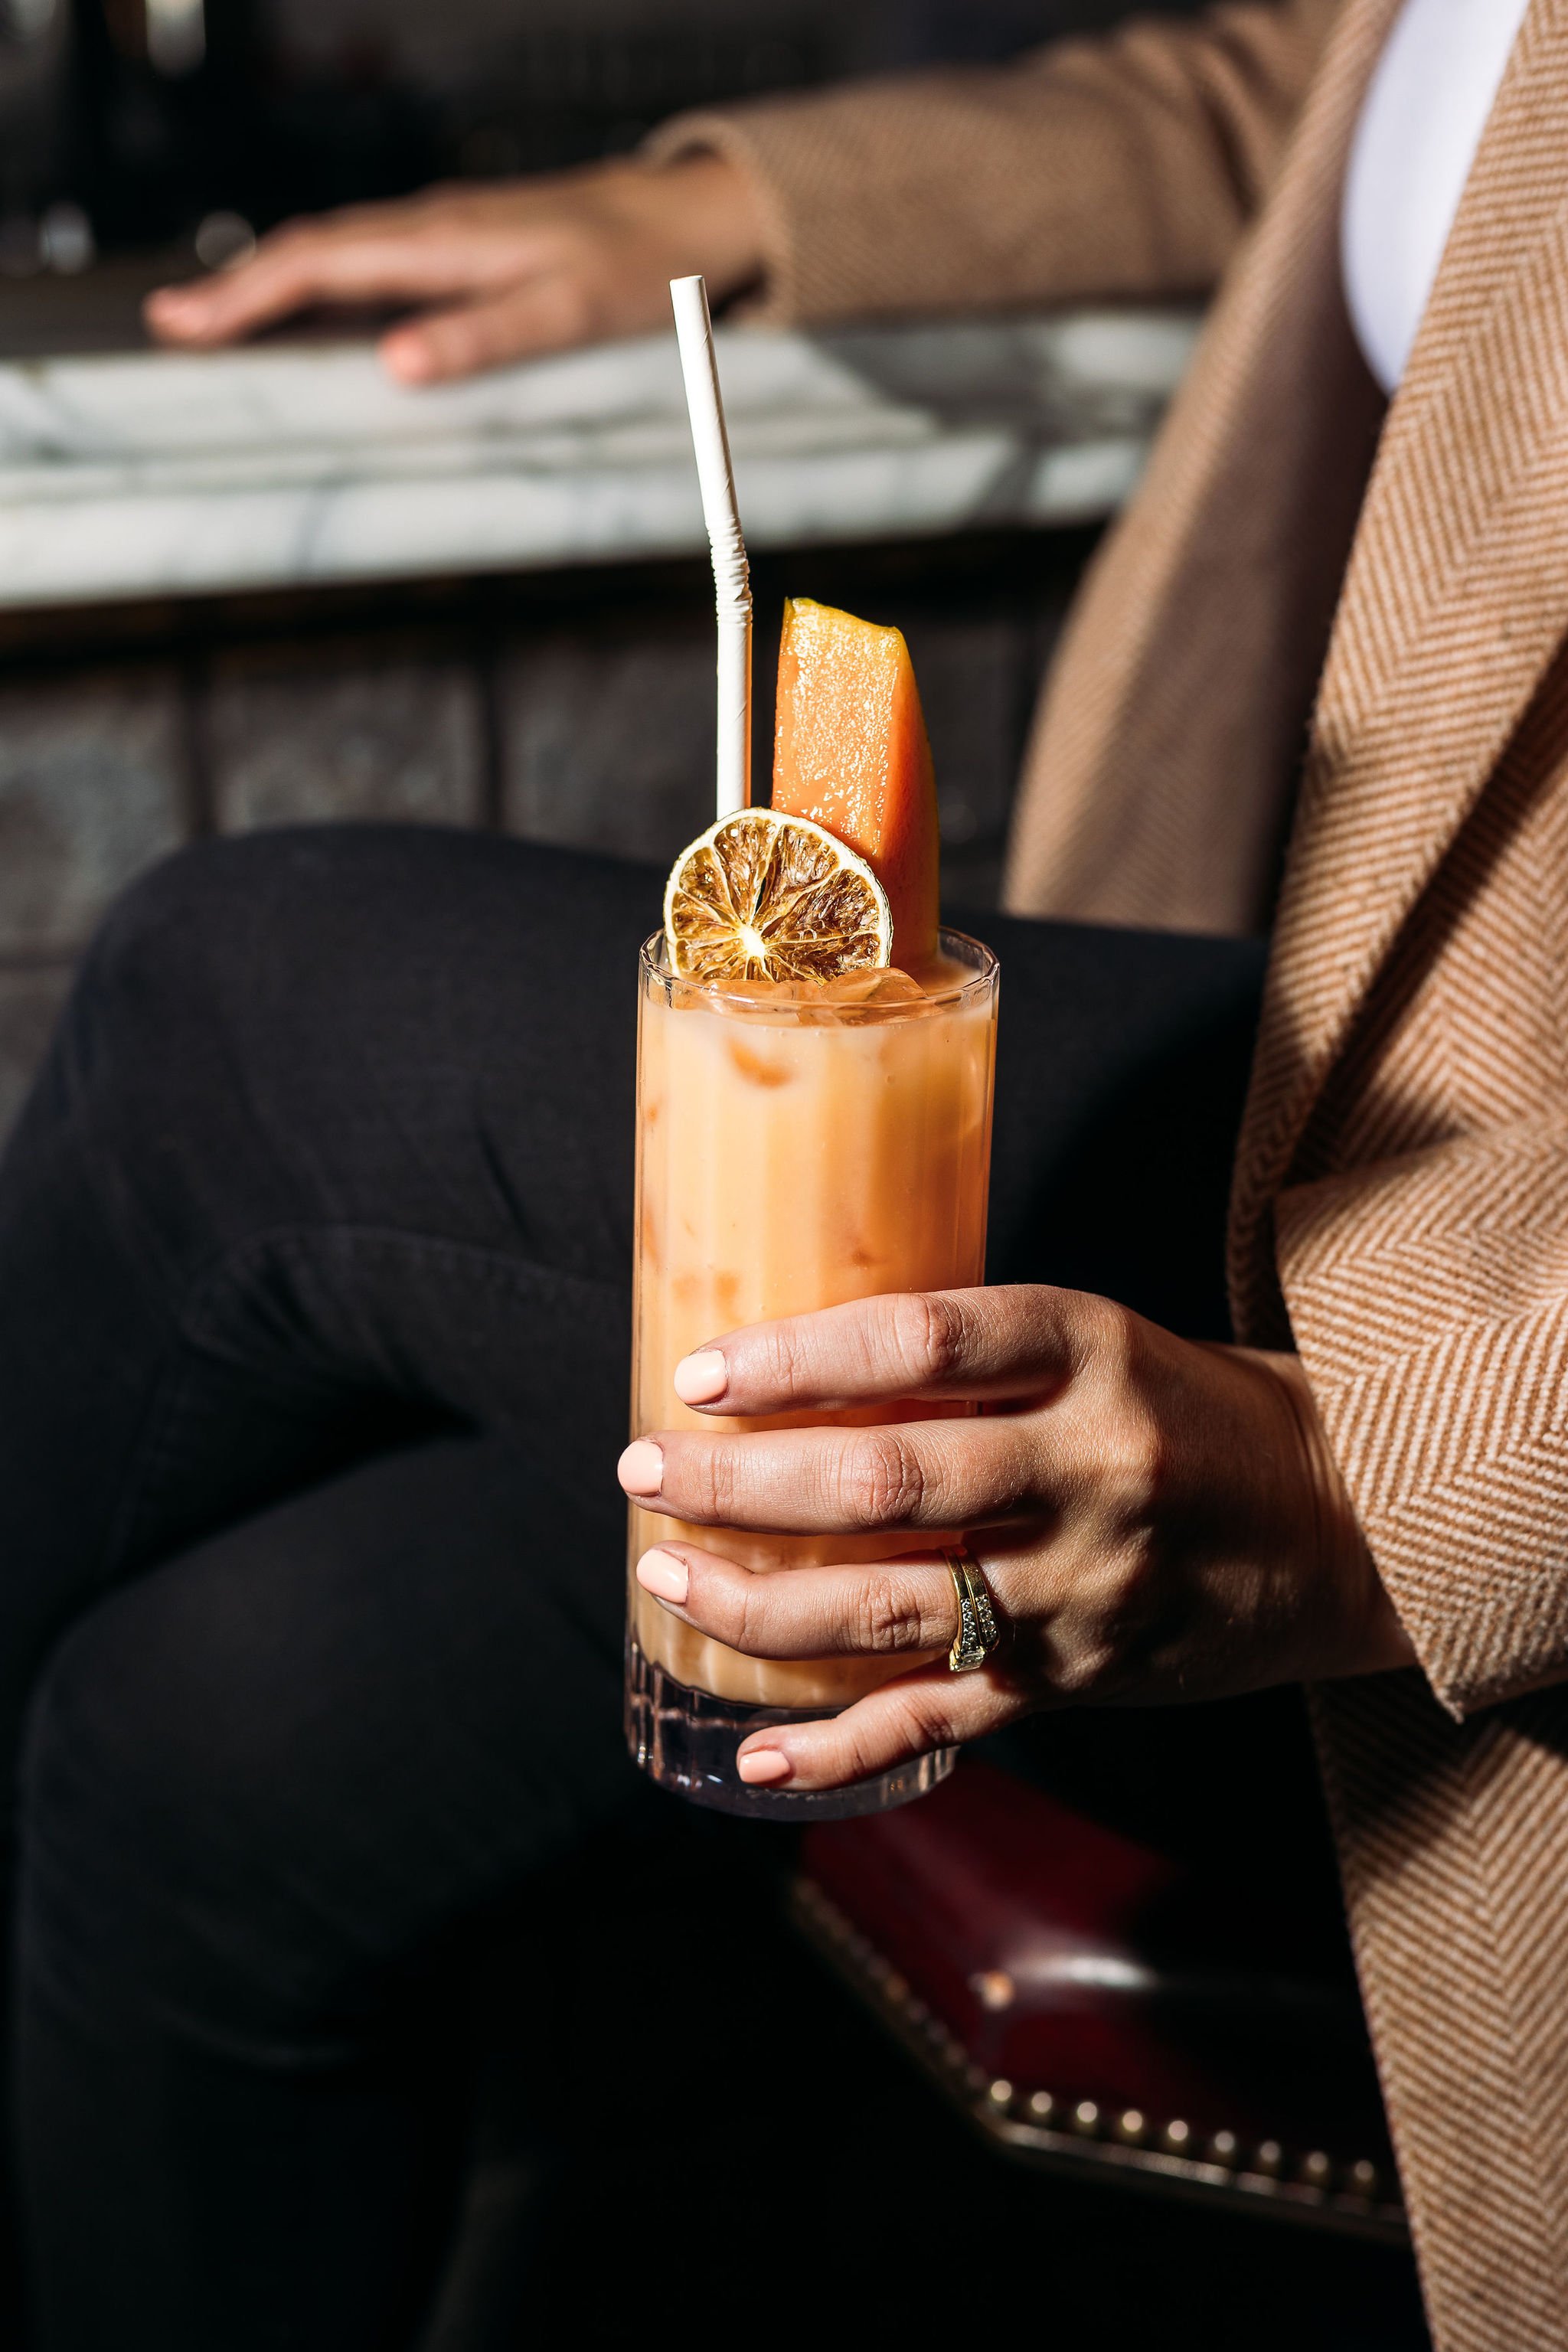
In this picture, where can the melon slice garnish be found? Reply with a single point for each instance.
(765, 896)
(850, 753)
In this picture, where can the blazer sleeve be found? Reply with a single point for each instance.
(1428, 1296)
(1122, 166)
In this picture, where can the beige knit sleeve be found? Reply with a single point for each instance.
(1126, 165)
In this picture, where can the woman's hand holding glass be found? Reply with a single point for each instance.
(1157, 1521)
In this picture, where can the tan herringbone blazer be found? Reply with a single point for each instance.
(1388, 595)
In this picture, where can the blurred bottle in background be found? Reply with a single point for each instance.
(35, 130)
(184, 113)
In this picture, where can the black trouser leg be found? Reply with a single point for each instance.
(332, 1154)
(267, 1786)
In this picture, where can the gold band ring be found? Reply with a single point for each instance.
(977, 1633)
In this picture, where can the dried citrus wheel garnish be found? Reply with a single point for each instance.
(765, 896)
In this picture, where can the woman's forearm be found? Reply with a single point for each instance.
(1128, 165)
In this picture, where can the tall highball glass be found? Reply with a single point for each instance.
(792, 1154)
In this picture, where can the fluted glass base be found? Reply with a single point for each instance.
(686, 1740)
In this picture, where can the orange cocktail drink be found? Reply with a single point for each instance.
(798, 1145)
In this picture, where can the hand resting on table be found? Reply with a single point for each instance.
(1157, 1521)
(501, 272)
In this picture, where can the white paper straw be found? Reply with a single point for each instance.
(731, 575)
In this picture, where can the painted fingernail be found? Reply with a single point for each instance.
(660, 1573)
(641, 1468)
(407, 361)
(701, 1377)
(759, 1766)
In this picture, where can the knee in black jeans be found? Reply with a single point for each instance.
(422, 1029)
(145, 1017)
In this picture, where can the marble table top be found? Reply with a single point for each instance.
(151, 473)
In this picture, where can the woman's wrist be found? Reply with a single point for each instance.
(707, 209)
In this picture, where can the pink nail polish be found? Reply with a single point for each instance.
(406, 363)
(759, 1766)
(660, 1573)
(641, 1468)
(701, 1377)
